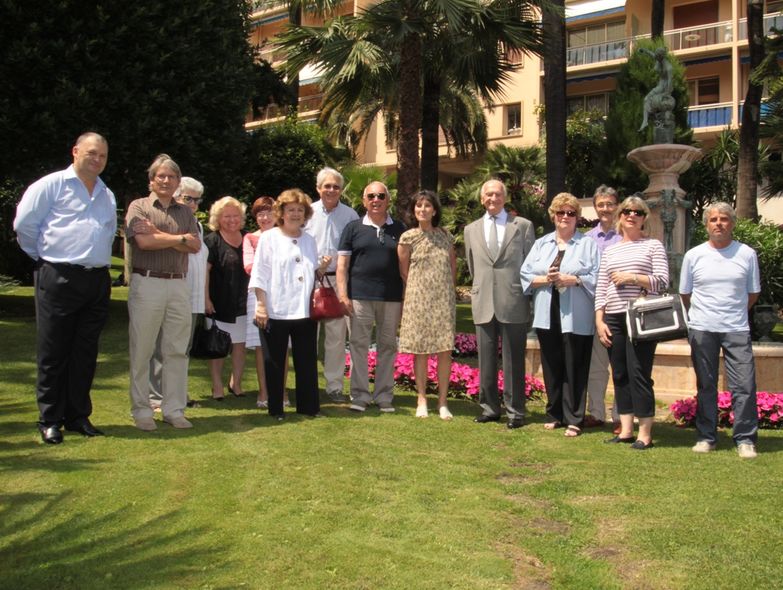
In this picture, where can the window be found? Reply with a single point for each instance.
(693, 15)
(593, 34)
(588, 102)
(513, 119)
(704, 91)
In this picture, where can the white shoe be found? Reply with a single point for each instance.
(357, 408)
(262, 404)
(747, 450)
(421, 411)
(703, 446)
(387, 409)
(146, 424)
(444, 413)
(179, 422)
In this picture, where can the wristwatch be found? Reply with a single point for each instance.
(578, 281)
(183, 240)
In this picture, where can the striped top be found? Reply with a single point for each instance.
(644, 257)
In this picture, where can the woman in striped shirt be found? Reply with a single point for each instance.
(635, 263)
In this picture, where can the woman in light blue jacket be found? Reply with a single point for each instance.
(560, 273)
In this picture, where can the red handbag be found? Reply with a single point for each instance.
(324, 304)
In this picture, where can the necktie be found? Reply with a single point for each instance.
(493, 238)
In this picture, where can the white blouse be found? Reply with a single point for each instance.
(284, 268)
(197, 275)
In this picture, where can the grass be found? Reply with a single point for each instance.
(362, 502)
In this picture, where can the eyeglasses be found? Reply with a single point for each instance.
(374, 196)
(189, 199)
(606, 205)
(636, 212)
(565, 213)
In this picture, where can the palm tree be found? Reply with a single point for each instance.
(376, 60)
(555, 97)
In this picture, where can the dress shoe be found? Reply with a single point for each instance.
(592, 422)
(178, 421)
(146, 424)
(483, 419)
(83, 426)
(51, 435)
(617, 439)
(515, 423)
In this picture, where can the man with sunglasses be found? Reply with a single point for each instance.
(604, 234)
(495, 248)
(329, 219)
(370, 287)
(189, 193)
(719, 282)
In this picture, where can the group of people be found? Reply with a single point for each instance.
(389, 279)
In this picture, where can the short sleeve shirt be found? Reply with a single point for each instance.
(374, 270)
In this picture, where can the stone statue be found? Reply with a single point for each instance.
(659, 102)
(667, 204)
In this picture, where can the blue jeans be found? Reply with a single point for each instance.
(741, 376)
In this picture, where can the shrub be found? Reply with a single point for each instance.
(770, 410)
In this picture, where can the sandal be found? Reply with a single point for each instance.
(444, 413)
(421, 412)
(552, 425)
(571, 431)
(262, 404)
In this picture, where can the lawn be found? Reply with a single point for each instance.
(363, 502)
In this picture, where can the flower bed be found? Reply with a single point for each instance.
(463, 381)
(770, 410)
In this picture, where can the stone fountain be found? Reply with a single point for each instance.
(663, 162)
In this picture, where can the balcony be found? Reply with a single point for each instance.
(771, 21)
(597, 52)
(308, 105)
(701, 36)
(712, 115)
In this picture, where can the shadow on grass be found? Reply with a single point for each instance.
(47, 544)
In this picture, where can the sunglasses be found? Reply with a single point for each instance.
(381, 236)
(565, 213)
(374, 196)
(636, 212)
(194, 200)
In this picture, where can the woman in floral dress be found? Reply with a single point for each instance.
(428, 268)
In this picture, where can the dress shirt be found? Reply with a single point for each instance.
(581, 259)
(602, 238)
(327, 227)
(284, 268)
(500, 221)
(57, 220)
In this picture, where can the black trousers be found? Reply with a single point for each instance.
(71, 308)
(632, 366)
(565, 362)
(304, 345)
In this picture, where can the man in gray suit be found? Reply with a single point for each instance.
(495, 247)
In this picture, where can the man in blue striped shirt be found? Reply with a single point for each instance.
(66, 222)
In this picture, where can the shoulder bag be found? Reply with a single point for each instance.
(656, 319)
(324, 304)
(210, 343)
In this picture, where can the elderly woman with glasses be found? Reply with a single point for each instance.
(560, 273)
(634, 264)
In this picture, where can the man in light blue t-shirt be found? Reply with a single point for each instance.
(720, 283)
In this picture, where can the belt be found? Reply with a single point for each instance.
(330, 274)
(158, 275)
(69, 266)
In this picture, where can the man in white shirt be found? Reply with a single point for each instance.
(329, 219)
(720, 283)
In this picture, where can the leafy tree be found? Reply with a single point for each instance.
(586, 139)
(714, 177)
(772, 116)
(636, 77)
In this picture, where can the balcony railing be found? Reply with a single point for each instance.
(771, 21)
(712, 115)
(701, 36)
(307, 104)
(597, 52)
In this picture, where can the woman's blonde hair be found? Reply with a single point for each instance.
(292, 196)
(632, 202)
(564, 200)
(216, 210)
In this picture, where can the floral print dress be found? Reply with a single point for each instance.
(428, 312)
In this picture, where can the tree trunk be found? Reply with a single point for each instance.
(295, 18)
(430, 124)
(410, 119)
(747, 166)
(656, 19)
(555, 100)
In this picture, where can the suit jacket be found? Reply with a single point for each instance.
(497, 290)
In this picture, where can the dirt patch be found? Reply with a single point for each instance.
(529, 572)
(536, 504)
(540, 525)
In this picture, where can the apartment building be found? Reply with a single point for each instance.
(708, 36)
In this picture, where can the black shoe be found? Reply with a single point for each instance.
(515, 423)
(51, 435)
(83, 426)
(617, 439)
(640, 446)
(483, 419)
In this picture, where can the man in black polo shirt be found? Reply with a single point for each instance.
(370, 287)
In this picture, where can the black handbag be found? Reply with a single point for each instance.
(656, 319)
(210, 343)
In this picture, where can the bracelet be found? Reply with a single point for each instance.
(635, 279)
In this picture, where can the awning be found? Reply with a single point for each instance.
(593, 8)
